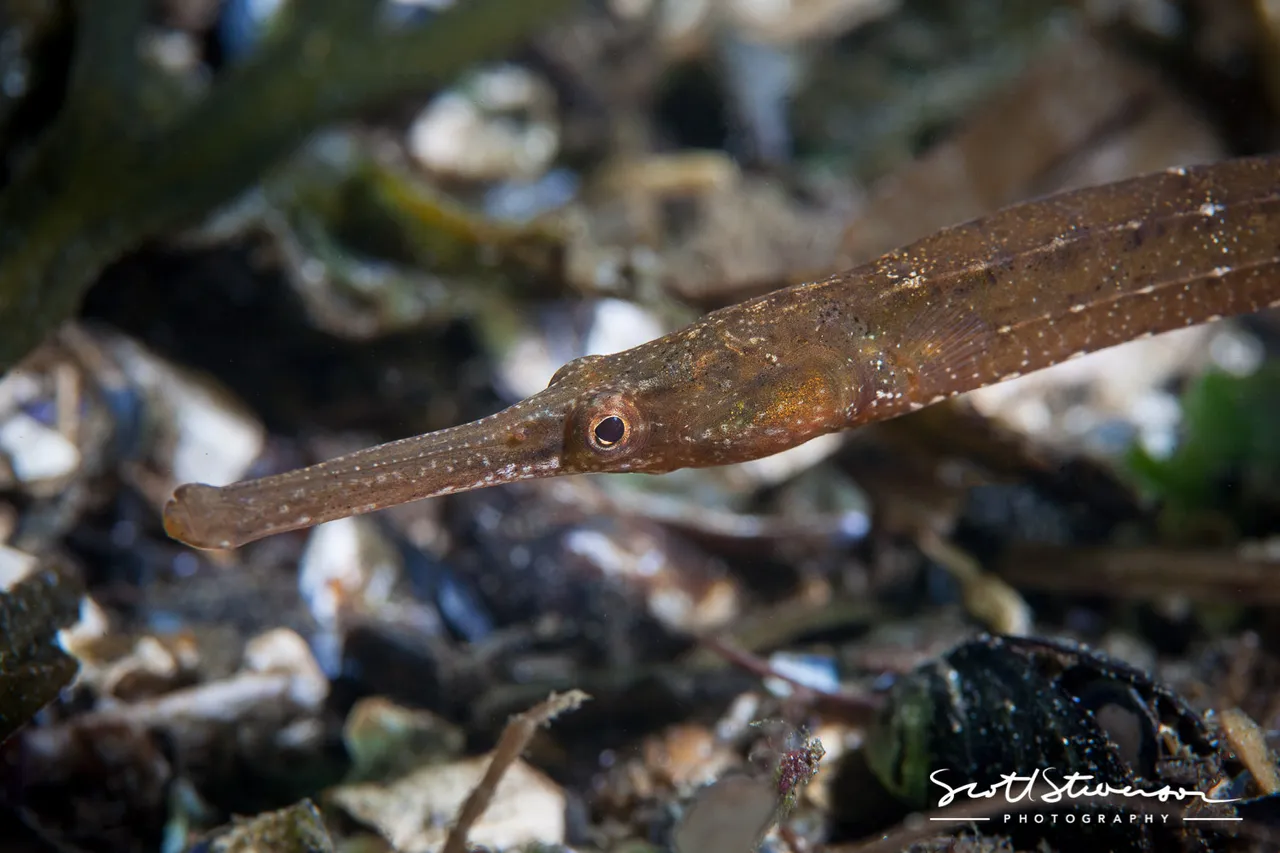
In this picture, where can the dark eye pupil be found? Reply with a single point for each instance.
(610, 430)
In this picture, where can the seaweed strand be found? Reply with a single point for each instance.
(92, 193)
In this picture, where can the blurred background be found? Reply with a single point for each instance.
(242, 236)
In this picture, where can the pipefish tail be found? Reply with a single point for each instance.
(972, 305)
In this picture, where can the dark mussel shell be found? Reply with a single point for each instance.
(1013, 705)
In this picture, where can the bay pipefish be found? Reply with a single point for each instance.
(1013, 292)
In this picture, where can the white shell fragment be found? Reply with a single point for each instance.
(728, 816)
(284, 652)
(791, 21)
(816, 672)
(683, 599)
(274, 699)
(615, 325)
(500, 124)
(1066, 403)
(414, 812)
(349, 566)
(780, 467)
(346, 561)
(214, 438)
(14, 566)
(36, 453)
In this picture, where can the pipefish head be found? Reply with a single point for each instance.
(712, 394)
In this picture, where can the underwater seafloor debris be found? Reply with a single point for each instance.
(238, 237)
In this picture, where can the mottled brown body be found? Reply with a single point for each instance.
(1020, 290)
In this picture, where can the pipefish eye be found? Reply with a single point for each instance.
(612, 427)
(608, 426)
(608, 431)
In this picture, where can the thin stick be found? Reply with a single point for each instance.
(519, 730)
